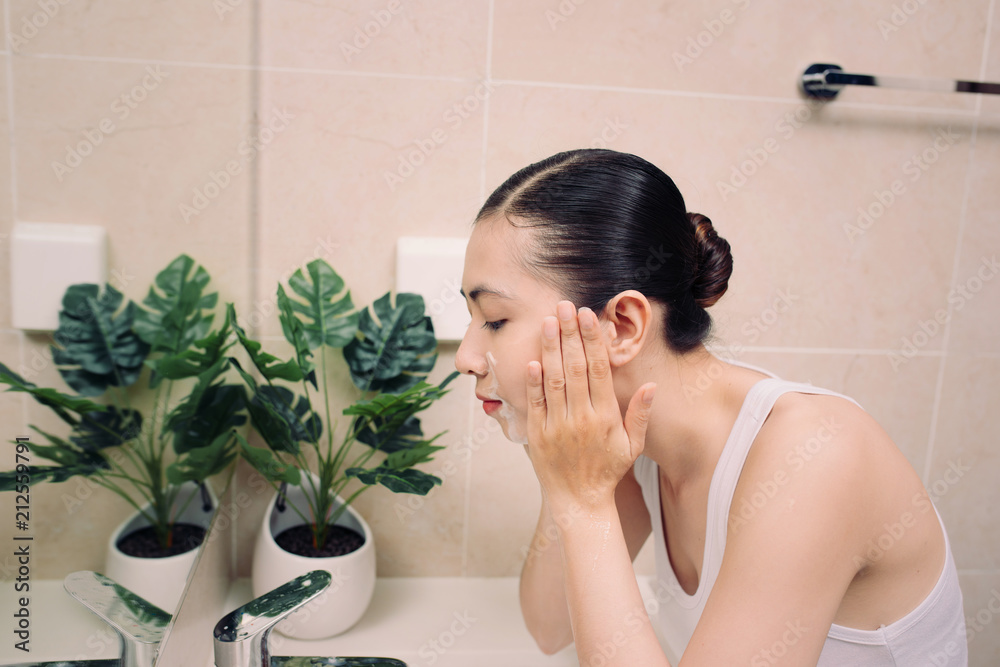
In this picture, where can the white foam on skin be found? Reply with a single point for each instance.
(514, 431)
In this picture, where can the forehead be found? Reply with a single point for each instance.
(494, 260)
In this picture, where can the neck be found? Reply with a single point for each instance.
(698, 397)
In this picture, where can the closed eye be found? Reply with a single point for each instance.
(494, 326)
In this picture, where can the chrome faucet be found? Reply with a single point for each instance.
(241, 636)
(140, 625)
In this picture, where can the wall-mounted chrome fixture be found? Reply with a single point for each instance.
(823, 82)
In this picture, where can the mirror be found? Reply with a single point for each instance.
(59, 628)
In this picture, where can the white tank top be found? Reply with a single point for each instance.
(931, 634)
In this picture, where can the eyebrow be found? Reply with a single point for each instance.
(479, 290)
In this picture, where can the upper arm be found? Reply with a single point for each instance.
(792, 535)
(632, 513)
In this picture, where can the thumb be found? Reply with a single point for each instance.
(637, 418)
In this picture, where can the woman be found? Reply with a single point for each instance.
(817, 545)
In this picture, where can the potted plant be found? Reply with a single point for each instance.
(158, 462)
(389, 350)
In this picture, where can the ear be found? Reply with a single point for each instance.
(628, 326)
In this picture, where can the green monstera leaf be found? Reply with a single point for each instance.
(279, 416)
(295, 333)
(408, 480)
(61, 404)
(270, 366)
(175, 314)
(325, 314)
(208, 413)
(81, 454)
(203, 462)
(110, 428)
(267, 464)
(388, 422)
(96, 346)
(394, 348)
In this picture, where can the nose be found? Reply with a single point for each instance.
(468, 359)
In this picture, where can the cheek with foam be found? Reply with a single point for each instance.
(514, 431)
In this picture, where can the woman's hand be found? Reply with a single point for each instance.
(578, 443)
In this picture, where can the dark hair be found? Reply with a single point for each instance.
(607, 222)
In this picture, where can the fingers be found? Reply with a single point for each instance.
(536, 402)
(552, 370)
(574, 361)
(637, 418)
(602, 390)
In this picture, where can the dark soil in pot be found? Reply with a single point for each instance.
(142, 543)
(339, 541)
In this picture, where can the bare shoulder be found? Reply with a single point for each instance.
(818, 451)
(831, 431)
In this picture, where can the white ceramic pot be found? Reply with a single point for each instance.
(158, 580)
(341, 605)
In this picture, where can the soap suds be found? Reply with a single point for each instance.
(514, 432)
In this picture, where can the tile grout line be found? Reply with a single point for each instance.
(725, 96)
(956, 261)
(486, 102)
(721, 349)
(467, 505)
(253, 219)
(9, 52)
(512, 82)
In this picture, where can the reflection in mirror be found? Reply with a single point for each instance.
(62, 631)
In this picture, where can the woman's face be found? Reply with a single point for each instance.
(507, 307)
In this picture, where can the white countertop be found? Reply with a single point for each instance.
(405, 616)
(408, 614)
(472, 622)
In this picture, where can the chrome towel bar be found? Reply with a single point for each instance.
(825, 81)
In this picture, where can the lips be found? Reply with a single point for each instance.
(489, 405)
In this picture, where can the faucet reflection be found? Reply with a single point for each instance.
(241, 636)
(140, 625)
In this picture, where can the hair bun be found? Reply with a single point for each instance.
(715, 262)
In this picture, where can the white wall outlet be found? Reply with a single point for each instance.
(432, 268)
(45, 259)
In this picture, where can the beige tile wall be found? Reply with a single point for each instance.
(531, 78)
